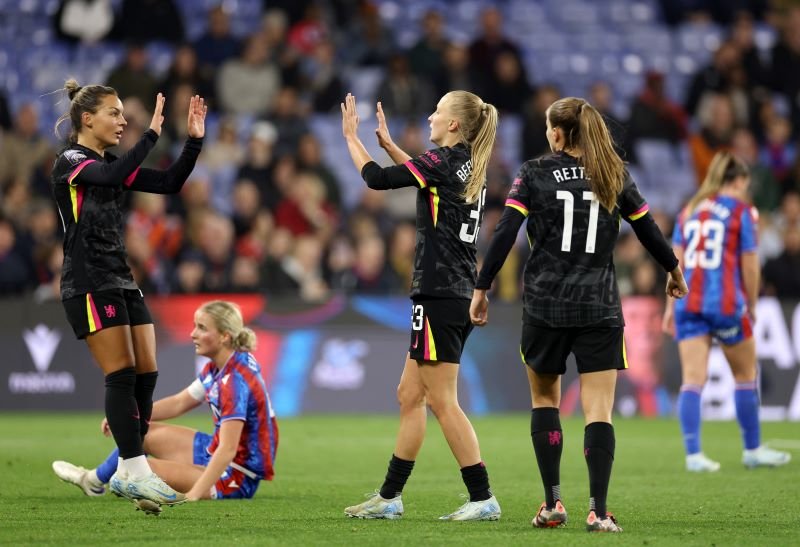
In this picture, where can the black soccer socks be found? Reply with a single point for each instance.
(476, 480)
(396, 477)
(598, 449)
(548, 443)
(122, 412)
(145, 386)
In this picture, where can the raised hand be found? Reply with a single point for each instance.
(158, 114)
(349, 116)
(196, 124)
(382, 131)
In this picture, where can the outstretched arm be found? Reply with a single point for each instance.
(385, 141)
(171, 180)
(350, 121)
(229, 434)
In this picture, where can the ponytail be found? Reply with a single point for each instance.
(477, 122)
(585, 130)
(724, 168)
(227, 318)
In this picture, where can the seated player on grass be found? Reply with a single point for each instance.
(241, 452)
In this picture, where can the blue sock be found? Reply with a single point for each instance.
(689, 417)
(747, 405)
(108, 467)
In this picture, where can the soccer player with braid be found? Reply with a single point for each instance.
(102, 301)
(715, 239)
(572, 200)
(451, 190)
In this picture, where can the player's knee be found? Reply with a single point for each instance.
(410, 397)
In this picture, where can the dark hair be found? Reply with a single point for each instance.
(81, 99)
(585, 130)
(724, 169)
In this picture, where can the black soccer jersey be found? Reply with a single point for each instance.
(569, 274)
(88, 189)
(447, 226)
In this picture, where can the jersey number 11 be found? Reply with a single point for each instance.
(569, 206)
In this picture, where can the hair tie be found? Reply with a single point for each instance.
(484, 108)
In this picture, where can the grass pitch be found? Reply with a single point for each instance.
(328, 462)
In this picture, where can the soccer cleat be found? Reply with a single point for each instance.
(608, 524)
(149, 507)
(700, 463)
(150, 488)
(765, 457)
(79, 476)
(376, 507)
(476, 510)
(550, 518)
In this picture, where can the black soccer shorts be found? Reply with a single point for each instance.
(92, 312)
(545, 349)
(439, 329)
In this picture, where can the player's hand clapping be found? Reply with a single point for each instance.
(382, 131)
(196, 124)
(158, 114)
(349, 117)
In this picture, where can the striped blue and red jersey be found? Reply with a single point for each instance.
(238, 392)
(713, 238)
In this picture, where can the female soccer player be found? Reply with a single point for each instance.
(573, 199)
(451, 183)
(101, 299)
(715, 239)
(228, 464)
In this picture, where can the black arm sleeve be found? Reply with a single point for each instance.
(114, 173)
(647, 232)
(505, 234)
(171, 179)
(387, 178)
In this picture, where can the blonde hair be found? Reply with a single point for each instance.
(477, 125)
(724, 169)
(81, 99)
(585, 130)
(227, 318)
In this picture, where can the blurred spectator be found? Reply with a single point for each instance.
(186, 71)
(216, 240)
(217, 44)
(289, 120)
(5, 115)
(779, 152)
(85, 21)
(371, 273)
(533, 140)
(715, 77)
(309, 158)
(402, 94)
(15, 275)
(245, 275)
(246, 207)
(307, 33)
(743, 35)
(49, 260)
(601, 96)
(456, 72)
(401, 252)
(249, 84)
(274, 30)
(488, 46)
(321, 79)
(781, 277)
(789, 213)
(764, 189)
(426, 57)
(367, 41)
(654, 115)
(149, 21)
(15, 202)
(133, 78)
(785, 55)
(305, 209)
(25, 155)
(296, 268)
(715, 134)
(257, 164)
(226, 150)
(509, 90)
(41, 231)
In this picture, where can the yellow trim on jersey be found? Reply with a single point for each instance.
(73, 198)
(522, 355)
(434, 204)
(431, 343)
(624, 352)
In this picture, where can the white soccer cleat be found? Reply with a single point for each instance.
(150, 488)
(550, 518)
(79, 476)
(700, 463)
(765, 457)
(376, 507)
(476, 510)
(608, 524)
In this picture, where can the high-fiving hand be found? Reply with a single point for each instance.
(196, 124)
(349, 116)
(382, 131)
(158, 114)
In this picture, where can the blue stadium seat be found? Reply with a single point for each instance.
(363, 82)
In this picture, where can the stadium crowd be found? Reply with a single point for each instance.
(269, 209)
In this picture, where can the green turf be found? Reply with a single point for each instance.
(326, 463)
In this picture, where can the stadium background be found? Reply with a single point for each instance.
(276, 218)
